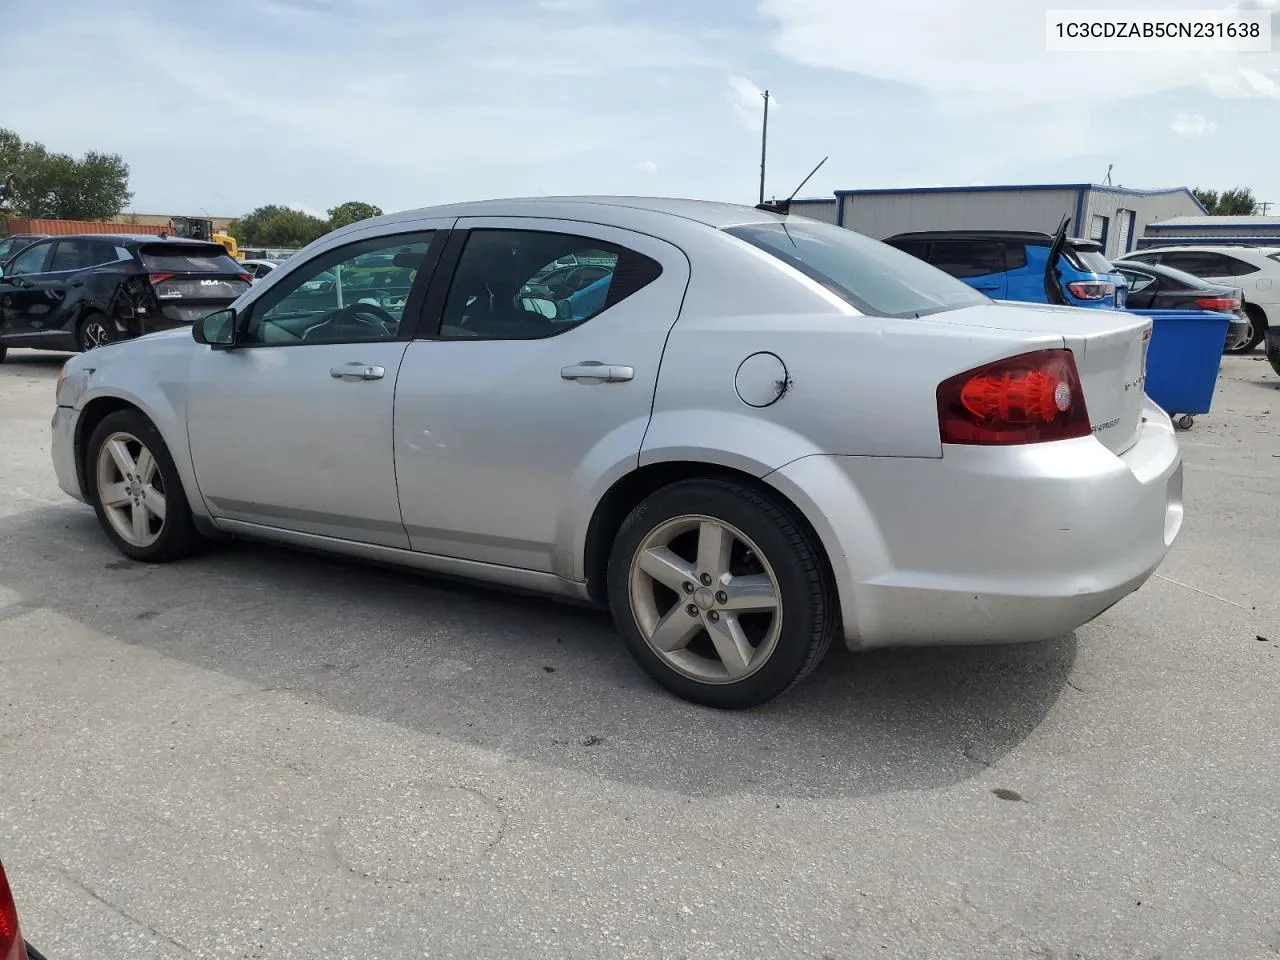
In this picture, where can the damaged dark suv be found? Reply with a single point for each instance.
(79, 292)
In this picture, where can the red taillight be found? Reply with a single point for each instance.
(247, 277)
(158, 278)
(1031, 398)
(1092, 289)
(11, 947)
(1227, 304)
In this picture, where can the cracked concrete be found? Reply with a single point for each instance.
(259, 754)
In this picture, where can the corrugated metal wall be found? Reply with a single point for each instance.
(1146, 208)
(881, 215)
(820, 209)
(63, 228)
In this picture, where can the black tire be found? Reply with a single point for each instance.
(177, 536)
(86, 327)
(3, 350)
(810, 616)
(1258, 330)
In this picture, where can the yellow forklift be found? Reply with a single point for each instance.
(198, 228)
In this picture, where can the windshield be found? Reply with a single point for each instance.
(874, 277)
(188, 258)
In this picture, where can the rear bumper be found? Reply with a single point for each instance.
(63, 450)
(991, 545)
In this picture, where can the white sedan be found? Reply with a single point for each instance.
(748, 434)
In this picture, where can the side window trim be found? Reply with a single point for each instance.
(431, 317)
(409, 321)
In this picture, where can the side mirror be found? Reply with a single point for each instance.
(216, 330)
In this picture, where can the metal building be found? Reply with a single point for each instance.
(1247, 231)
(1114, 216)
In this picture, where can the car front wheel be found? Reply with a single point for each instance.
(720, 593)
(136, 491)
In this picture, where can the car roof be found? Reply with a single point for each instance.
(1209, 248)
(1025, 236)
(128, 239)
(591, 208)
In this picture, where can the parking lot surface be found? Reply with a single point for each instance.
(263, 754)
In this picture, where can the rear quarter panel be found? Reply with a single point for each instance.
(854, 384)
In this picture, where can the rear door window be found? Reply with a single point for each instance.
(80, 253)
(188, 258)
(873, 277)
(968, 258)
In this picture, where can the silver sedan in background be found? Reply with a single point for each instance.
(747, 433)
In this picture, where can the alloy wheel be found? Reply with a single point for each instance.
(131, 489)
(705, 599)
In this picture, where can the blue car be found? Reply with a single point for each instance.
(1019, 265)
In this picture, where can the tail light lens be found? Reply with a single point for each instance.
(1092, 289)
(1032, 398)
(1226, 304)
(247, 277)
(158, 278)
(11, 947)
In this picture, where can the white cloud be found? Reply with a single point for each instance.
(647, 166)
(1244, 83)
(1193, 125)
(747, 101)
(309, 211)
(995, 58)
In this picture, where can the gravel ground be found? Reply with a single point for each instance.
(264, 754)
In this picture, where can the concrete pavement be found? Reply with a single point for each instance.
(263, 754)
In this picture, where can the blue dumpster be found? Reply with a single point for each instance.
(1183, 360)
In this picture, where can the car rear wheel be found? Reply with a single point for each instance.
(94, 331)
(720, 593)
(136, 491)
(1257, 330)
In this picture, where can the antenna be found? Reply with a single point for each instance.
(764, 142)
(784, 206)
(1109, 166)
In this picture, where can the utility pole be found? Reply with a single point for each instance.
(1265, 205)
(764, 142)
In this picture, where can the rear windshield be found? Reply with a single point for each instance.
(188, 258)
(872, 276)
(1090, 259)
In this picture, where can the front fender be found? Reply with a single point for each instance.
(161, 398)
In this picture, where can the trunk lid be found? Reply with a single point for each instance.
(192, 280)
(1110, 349)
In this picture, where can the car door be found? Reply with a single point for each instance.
(532, 397)
(21, 294)
(62, 278)
(292, 427)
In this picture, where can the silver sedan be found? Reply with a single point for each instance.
(747, 433)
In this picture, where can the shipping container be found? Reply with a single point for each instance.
(62, 228)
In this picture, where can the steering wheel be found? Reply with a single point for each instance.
(352, 314)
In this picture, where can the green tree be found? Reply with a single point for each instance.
(276, 226)
(1237, 202)
(37, 183)
(350, 212)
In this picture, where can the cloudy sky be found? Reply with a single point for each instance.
(223, 105)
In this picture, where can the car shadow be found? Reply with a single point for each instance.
(531, 679)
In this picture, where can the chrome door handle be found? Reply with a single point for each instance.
(357, 371)
(597, 371)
